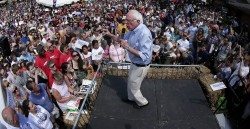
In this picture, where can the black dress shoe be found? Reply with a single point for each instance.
(140, 107)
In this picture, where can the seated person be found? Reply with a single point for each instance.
(14, 120)
(40, 95)
(61, 91)
(37, 115)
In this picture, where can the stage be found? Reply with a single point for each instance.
(173, 104)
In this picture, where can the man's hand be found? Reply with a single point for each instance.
(106, 32)
(124, 43)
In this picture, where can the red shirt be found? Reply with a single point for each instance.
(64, 57)
(55, 56)
(41, 62)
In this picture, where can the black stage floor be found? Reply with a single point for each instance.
(173, 104)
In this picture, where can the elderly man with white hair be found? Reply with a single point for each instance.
(139, 44)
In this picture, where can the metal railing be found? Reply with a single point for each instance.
(85, 98)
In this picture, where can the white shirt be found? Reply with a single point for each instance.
(64, 92)
(79, 43)
(244, 70)
(88, 55)
(97, 53)
(169, 46)
(183, 44)
(192, 30)
(41, 118)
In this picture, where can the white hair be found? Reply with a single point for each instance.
(136, 15)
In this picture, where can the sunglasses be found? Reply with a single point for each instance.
(74, 55)
(52, 66)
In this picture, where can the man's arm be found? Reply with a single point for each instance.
(145, 47)
(114, 37)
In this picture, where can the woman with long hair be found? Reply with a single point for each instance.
(78, 66)
(69, 75)
(37, 115)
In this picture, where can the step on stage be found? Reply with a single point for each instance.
(173, 104)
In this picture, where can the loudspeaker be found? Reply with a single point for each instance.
(5, 47)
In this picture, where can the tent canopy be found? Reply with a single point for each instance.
(59, 3)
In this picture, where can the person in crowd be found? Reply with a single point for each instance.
(86, 54)
(40, 95)
(53, 54)
(65, 54)
(106, 54)
(61, 92)
(223, 50)
(37, 115)
(79, 66)
(199, 42)
(26, 56)
(86, 57)
(14, 120)
(156, 54)
(18, 96)
(69, 75)
(213, 41)
(77, 43)
(183, 47)
(241, 71)
(122, 27)
(97, 54)
(16, 76)
(41, 60)
(116, 52)
(53, 69)
(167, 50)
(36, 73)
(225, 70)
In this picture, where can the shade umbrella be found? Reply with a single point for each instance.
(59, 3)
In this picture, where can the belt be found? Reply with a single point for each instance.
(140, 65)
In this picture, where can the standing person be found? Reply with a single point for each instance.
(138, 42)
(39, 95)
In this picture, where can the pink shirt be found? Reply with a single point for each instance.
(117, 53)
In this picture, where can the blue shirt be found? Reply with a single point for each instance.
(24, 40)
(42, 99)
(24, 122)
(140, 39)
(28, 57)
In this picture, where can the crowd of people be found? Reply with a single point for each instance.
(53, 49)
